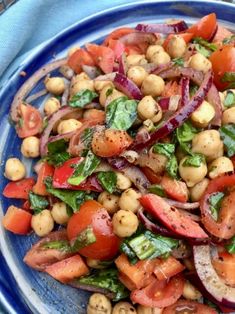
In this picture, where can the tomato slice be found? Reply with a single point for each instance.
(117, 46)
(167, 268)
(176, 189)
(186, 306)
(17, 220)
(221, 34)
(159, 293)
(93, 214)
(223, 60)
(78, 58)
(103, 57)
(151, 175)
(224, 265)
(186, 36)
(45, 171)
(118, 33)
(68, 269)
(172, 88)
(171, 217)
(30, 122)
(225, 226)
(19, 189)
(110, 142)
(205, 28)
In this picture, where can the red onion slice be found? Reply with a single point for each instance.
(156, 69)
(35, 96)
(67, 72)
(91, 71)
(170, 103)
(129, 88)
(187, 206)
(138, 38)
(118, 163)
(122, 67)
(106, 77)
(177, 27)
(184, 82)
(138, 178)
(30, 83)
(181, 115)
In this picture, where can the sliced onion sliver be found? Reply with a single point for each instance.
(170, 103)
(184, 82)
(177, 27)
(187, 206)
(137, 177)
(35, 96)
(30, 83)
(122, 67)
(76, 284)
(138, 38)
(91, 71)
(129, 88)
(106, 77)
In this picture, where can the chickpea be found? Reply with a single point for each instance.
(200, 63)
(124, 308)
(125, 223)
(190, 292)
(69, 125)
(108, 94)
(152, 49)
(160, 57)
(219, 166)
(148, 310)
(148, 125)
(137, 74)
(176, 47)
(135, 60)
(228, 116)
(198, 190)
(94, 263)
(208, 143)
(123, 182)
(109, 201)
(55, 85)
(192, 175)
(42, 223)
(147, 108)
(99, 85)
(30, 147)
(51, 105)
(99, 304)
(72, 50)
(153, 85)
(81, 77)
(79, 85)
(14, 169)
(59, 213)
(129, 200)
(203, 115)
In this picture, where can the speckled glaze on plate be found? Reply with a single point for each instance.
(28, 290)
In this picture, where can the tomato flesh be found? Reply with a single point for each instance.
(45, 171)
(167, 268)
(19, 189)
(118, 33)
(221, 34)
(79, 58)
(93, 214)
(224, 265)
(186, 306)
(205, 28)
(151, 175)
(176, 189)
(17, 220)
(103, 57)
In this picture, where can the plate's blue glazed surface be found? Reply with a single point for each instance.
(22, 289)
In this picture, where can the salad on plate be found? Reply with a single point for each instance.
(133, 194)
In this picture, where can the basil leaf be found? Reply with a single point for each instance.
(193, 89)
(205, 43)
(106, 279)
(178, 61)
(229, 40)
(157, 189)
(229, 77)
(231, 246)
(165, 149)
(127, 250)
(227, 133)
(215, 201)
(194, 161)
(229, 99)
(108, 180)
(121, 113)
(37, 202)
(86, 137)
(184, 134)
(57, 146)
(85, 238)
(202, 50)
(84, 169)
(82, 98)
(172, 167)
(57, 154)
(60, 245)
(72, 198)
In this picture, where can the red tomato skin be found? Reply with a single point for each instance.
(17, 220)
(195, 307)
(118, 33)
(205, 27)
(93, 214)
(103, 57)
(159, 293)
(79, 58)
(151, 175)
(19, 189)
(223, 60)
(118, 48)
(167, 268)
(224, 265)
(176, 189)
(45, 171)
(171, 218)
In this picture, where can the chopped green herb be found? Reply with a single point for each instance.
(178, 61)
(202, 50)
(37, 202)
(194, 161)
(85, 238)
(193, 89)
(121, 113)
(60, 245)
(109, 92)
(215, 201)
(227, 133)
(205, 43)
(184, 134)
(86, 137)
(229, 40)
(84, 169)
(127, 250)
(231, 246)
(165, 149)
(229, 77)
(157, 189)
(108, 180)
(172, 167)
(57, 154)
(82, 98)
(229, 99)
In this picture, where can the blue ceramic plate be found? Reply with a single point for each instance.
(26, 290)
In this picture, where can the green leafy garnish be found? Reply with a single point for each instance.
(108, 180)
(205, 43)
(121, 113)
(227, 133)
(61, 245)
(157, 189)
(109, 92)
(37, 202)
(165, 149)
(184, 134)
(84, 169)
(106, 279)
(231, 246)
(229, 40)
(229, 77)
(215, 201)
(194, 160)
(57, 154)
(202, 50)
(178, 61)
(193, 89)
(172, 167)
(85, 238)
(86, 137)
(229, 99)
(127, 250)
(82, 98)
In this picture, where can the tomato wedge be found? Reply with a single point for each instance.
(45, 171)
(103, 57)
(225, 226)
(224, 265)
(205, 28)
(172, 88)
(176, 189)
(167, 268)
(30, 122)
(79, 58)
(159, 293)
(186, 306)
(118, 33)
(117, 46)
(186, 36)
(93, 214)
(151, 175)
(17, 220)
(19, 189)
(171, 217)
